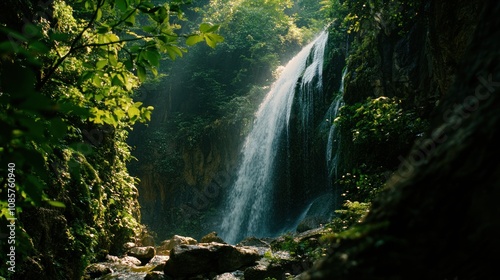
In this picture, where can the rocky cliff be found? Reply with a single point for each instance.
(437, 218)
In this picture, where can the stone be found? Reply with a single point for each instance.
(129, 245)
(226, 276)
(254, 241)
(191, 260)
(130, 261)
(211, 237)
(155, 275)
(97, 270)
(177, 240)
(144, 254)
(148, 240)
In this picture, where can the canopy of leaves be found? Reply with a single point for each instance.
(68, 72)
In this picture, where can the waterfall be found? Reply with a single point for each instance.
(333, 134)
(250, 200)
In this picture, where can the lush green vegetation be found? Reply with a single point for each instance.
(72, 76)
(215, 92)
(69, 70)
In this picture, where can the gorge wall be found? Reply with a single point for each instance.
(413, 61)
(437, 218)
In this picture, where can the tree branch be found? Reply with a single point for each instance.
(73, 46)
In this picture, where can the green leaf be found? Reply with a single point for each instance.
(208, 27)
(96, 80)
(173, 51)
(98, 15)
(101, 64)
(212, 39)
(194, 39)
(119, 113)
(103, 29)
(130, 21)
(113, 60)
(129, 64)
(153, 57)
(133, 112)
(141, 73)
(56, 203)
(122, 5)
(161, 15)
(116, 81)
(149, 29)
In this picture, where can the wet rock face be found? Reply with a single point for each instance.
(191, 260)
(439, 216)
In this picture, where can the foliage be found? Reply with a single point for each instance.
(362, 16)
(350, 214)
(380, 120)
(303, 249)
(68, 70)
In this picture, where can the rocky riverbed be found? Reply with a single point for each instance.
(210, 258)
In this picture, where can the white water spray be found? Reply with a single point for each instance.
(249, 202)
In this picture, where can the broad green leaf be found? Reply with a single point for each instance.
(153, 57)
(119, 113)
(194, 39)
(212, 39)
(113, 37)
(129, 64)
(116, 81)
(101, 64)
(86, 75)
(130, 21)
(98, 97)
(161, 15)
(141, 73)
(149, 29)
(173, 51)
(208, 27)
(98, 15)
(122, 5)
(113, 60)
(96, 80)
(133, 111)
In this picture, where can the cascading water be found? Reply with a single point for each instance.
(249, 202)
(333, 134)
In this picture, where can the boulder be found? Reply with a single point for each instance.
(130, 261)
(129, 245)
(97, 270)
(155, 275)
(211, 237)
(190, 260)
(148, 240)
(177, 240)
(144, 254)
(255, 242)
